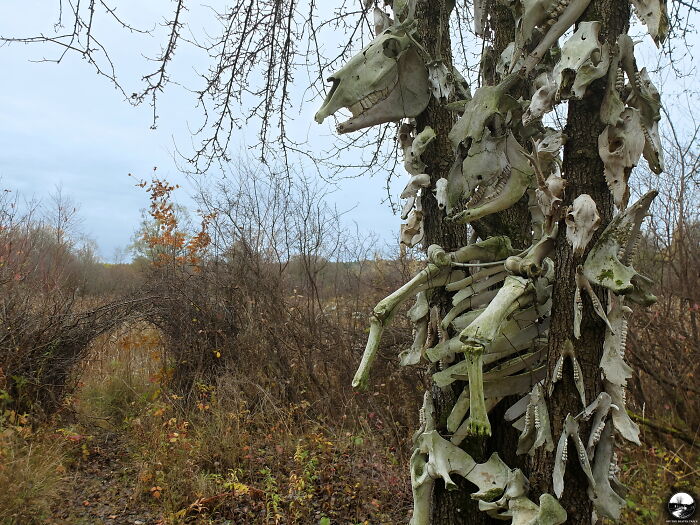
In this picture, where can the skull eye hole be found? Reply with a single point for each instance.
(392, 48)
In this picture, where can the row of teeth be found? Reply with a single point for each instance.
(558, 10)
(370, 100)
(484, 194)
(628, 250)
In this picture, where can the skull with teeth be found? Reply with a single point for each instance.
(620, 147)
(608, 263)
(502, 188)
(385, 82)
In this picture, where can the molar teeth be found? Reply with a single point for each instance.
(356, 109)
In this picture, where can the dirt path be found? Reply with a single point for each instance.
(101, 489)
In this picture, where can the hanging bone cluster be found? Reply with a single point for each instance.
(492, 340)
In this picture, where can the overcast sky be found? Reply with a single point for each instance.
(62, 125)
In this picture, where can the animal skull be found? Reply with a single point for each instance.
(501, 191)
(620, 147)
(487, 110)
(441, 192)
(653, 13)
(385, 82)
(608, 263)
(582, 221)
(412, 232)
(583, 60)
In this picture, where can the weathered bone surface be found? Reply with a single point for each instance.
(615, 369)
(627, 428)
(567, 351)
(583, 60)
(612, 106)
(415, 183)
(548, 512)
(621, 147)
(418, 314)
(583, 284)
(533, 264)
(476, 336)
(485, 161)
(543, 98)
(441, 192)
(565, 15)
(504, 190)
(385, 82)
(599, 410)
(414, 147)
(412, 232)
(434, 457)
(537, 430)
(570, 431)
(487, 109)
(514, 505)
(645, 97)
(606, 501)
(582, 221)
(654, 15)
(608, 263)
(441, 80)
(432, 276)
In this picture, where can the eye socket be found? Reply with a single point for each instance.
(392, 48)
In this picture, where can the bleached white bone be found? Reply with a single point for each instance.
(613, 365)
(606, 501)
(567, 351)
(582, 221)
(536, 431)
(570, 430)
(441, 192)
(415, 183)
(627, 428)
(620, 147)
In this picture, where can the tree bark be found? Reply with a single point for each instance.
(583, 169)
(456, 507)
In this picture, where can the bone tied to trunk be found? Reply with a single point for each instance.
(492, 340)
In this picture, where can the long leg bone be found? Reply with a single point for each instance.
(430, 277)
(476, 336)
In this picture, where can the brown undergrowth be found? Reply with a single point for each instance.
(216, 459)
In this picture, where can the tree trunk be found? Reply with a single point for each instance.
(456, 507)
(583, 169)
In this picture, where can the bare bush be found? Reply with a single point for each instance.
(46, 321)
(664, 342)
(276, 302)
